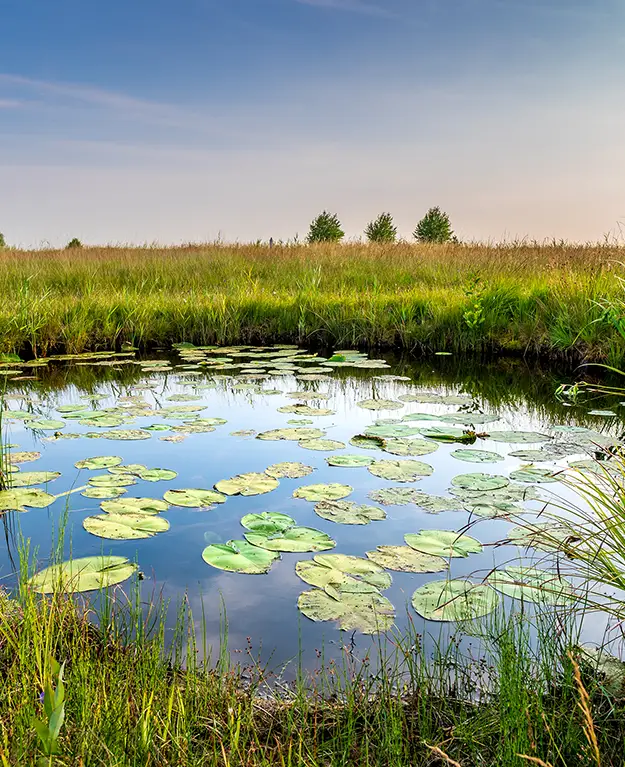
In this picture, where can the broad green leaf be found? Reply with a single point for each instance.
(443, 543)
(44, 424)
(545, 536)
(113, 480)
(321, 444)
(19, 500)
(125, 527)
(380, 404)
(22, 457)
(157, 475)
(322, 492)
(267, 522)
(99, 462)
(294, 539)
(348, 512)
(103, 492)
(391, 430)
(134, 506)
(395, 496)
(126, 435)
(368, 443)
(326, 569)
(494, 509)
(239, 557)
(193, 498)
(83, 574)
(455, 600)
(349, 461)
(27, 478)
(476, 456)
(369, 613)
(401, 471)
(533, 474)
(479, 482)
(305, 410)
(253, 483)
(531, 585)
(404, 446)
(288, 470)
(405, 559)
(518, 436)
(295, 434)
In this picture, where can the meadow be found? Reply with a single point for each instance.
(558, 301)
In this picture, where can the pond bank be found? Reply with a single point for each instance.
(559, 302)
(130, 699)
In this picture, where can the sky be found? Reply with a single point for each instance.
(195, 120)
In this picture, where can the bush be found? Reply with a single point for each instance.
(75, 243)
(381, 229)
(434, 227)
(2, 241)
(325, 228)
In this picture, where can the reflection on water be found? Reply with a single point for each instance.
(264, 607)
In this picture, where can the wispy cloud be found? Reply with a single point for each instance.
(10, 103)
(355, 6)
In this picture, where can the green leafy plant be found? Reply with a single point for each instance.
(434, 227)
(326, 227)
(2, 241)
(381, 229)
(53, 698)
(474, 316)
(74, 243)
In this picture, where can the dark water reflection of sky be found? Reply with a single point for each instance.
(264, 608)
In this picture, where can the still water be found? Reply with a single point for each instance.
(215, 402)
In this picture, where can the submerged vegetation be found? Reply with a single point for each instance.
(557, 300)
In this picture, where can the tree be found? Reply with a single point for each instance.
(2, 241)
(325, 228)
(74, 243)
(381, 229)
(434, 227)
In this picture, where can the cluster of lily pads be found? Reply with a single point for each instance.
(346, 589)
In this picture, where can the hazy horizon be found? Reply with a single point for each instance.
(149, 123)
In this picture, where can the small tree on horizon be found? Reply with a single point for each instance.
(2, 241)
(434, 227)
(326, 227)
(74, 243)
(381, 229)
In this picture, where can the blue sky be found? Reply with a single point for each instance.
(182, 121)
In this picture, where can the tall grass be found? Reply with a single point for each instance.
(535, 298)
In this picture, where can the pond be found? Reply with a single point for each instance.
(392, 447)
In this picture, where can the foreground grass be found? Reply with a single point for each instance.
(548, 300)
(135, 695)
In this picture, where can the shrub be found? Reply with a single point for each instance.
(2, 241)
(434, 227)
(74, 243)
(325, 228)
(381, 229)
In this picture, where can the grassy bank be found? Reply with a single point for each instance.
(129, 699)
(547, 300)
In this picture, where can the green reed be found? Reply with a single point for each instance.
(534, 299)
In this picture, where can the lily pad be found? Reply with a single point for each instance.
(125, 527)
(401, 471)
(295, 434)
(544, 536)
(83, 574)
(44, 424)
(157, 475)
(288, 470)
(252, 483)
(239, 557)
(22, 457)
(531, 585)
(321, 445)
(103, 493)
(443, 543)
(423, 398)
(335, 569)
(533, 474)
(348, 512)
(293, 539)
(476, 456)
(518, 436)
(113, 480)
(267, 522)
(366, 442)
(99, 462)
(126, 435)
(243, 433)
(27, 478)
(369, 613)
(305, 410)
(494, 509)
(19, 500)
(134, 506)
(322, 492)
(405, 447)
(531, 456)
(455, 600)
(392, 430)
(479, 482)
(395, 496)
(193, 498)
(469, 419)
(380, 404)
(349, 461)
(406, 559)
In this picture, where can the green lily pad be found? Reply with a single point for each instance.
(544, 536)
(403, 446)
(305, 410)
(22, 457)
(531, 585)
(401, 471)
(70, 408)
(293, 539)
(44, 424)
(103, 493)
(349, 461)
(476, 456)
(99, 462)
(104, 421)
(321, 445)
(321, 492)
(366, 442)
(113, 480)
(455, 600)
(518, 436)
(126, 435)
(83, 574)
(239, 557)
(469, 419)
(544, 454)
(479, 482)
(511, 492)
(125, 527)
(134, 506)
(380, 404)
(157, 475)
(128, 468)
(423, 398)
(369, 613)
(27, 478)
(395, 496)
(533, 474)
(267, 522)
(19, 500)
(252, 483)
(193, 498)
(348, 512)
(336, 569)
(443, 543)
(421, 417)
(407, 560)
(295, 434)
(494, 509)
(388, 431)
(243, 433)
(288, 470)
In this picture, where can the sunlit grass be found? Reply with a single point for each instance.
(536, 298)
